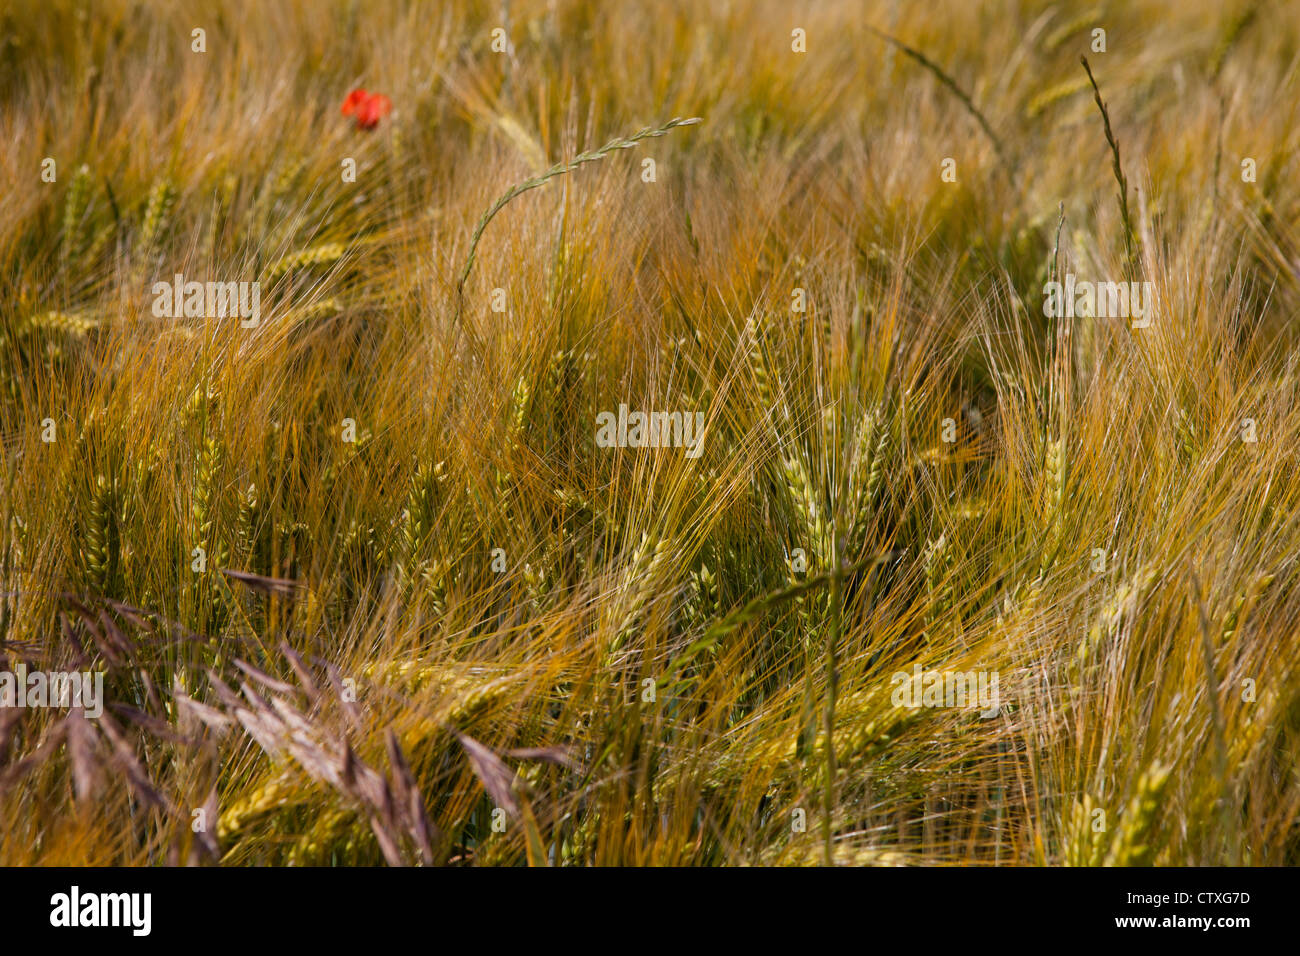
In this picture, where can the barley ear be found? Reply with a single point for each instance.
(1132, 845)
(74, 209)
(101, 549)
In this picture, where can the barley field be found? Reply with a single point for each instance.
(560, 432)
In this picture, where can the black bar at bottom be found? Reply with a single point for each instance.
(378, 906)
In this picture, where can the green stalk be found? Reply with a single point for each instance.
(1118, 170)
(832, 646)
(559, 169)
(957, 91)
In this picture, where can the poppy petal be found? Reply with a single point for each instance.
(354, 101)
(369, 112)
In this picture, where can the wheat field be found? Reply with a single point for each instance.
(368, 582)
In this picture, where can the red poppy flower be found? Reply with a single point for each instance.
(355, 99)
(368, 108)
(372, 110)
